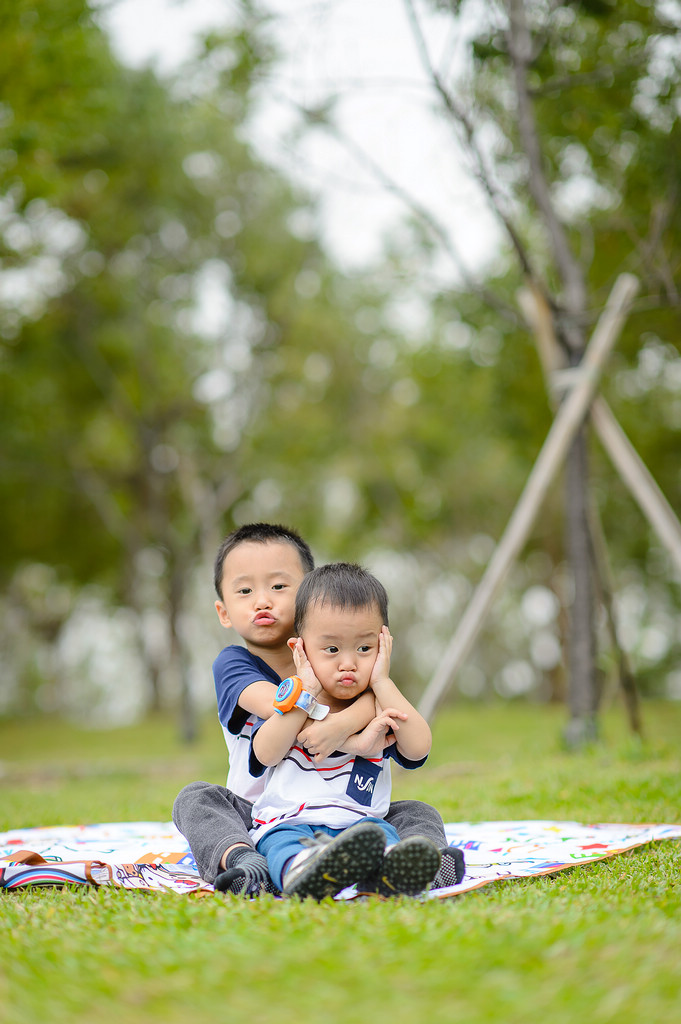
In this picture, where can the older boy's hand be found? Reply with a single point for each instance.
(322, 738)
(381, 669)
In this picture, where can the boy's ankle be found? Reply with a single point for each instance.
(245, 874)
(224, 863)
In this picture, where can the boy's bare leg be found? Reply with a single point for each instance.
(223, 859)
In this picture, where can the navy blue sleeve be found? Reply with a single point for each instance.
(234, 669)
(255, 767)
(398, 758)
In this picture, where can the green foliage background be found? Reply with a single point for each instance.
(180, 355)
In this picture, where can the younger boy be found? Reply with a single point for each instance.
(321, 823)
(258, 569)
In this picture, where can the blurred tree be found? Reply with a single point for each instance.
(580, 101)
(568, 117)
(148, 267)
(179, 355)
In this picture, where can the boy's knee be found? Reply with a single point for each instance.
(187, 793)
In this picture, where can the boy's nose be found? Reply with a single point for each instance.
(263, 599)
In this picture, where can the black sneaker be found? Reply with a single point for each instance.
(452, 869)
(329, 865)
(408, 868)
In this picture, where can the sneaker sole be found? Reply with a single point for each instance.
(452, 870)
(352, 855)
(409, 868)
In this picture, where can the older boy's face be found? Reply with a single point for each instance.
(259, 585)
(342, 647)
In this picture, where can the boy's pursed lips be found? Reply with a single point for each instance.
(263, 619)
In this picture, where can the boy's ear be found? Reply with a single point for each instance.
(292, 642)
(222, 615)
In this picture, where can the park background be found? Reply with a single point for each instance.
(191, 340)
(279, 270)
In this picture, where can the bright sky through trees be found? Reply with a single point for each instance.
(364, 55)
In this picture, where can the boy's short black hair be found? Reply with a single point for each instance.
(262, 533)
(341, 585)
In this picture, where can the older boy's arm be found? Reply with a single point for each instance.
(414, 738)
(334, 731)
(257, 698)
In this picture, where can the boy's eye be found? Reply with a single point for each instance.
(364, 648)
(279, 586)
(331, 649)
(244, 590)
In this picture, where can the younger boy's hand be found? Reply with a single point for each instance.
(381, 669)
(303, 666)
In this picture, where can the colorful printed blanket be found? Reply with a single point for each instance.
(154, 856)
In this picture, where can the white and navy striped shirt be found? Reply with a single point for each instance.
(337, 792)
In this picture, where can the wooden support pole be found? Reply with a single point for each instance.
(566, 424)
(619, 448)
(627, 679)
(554, 362)
(638, 478)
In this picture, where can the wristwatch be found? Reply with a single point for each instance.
(290, 694)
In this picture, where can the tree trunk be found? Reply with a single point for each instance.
(188, 726)
(582, 692)
(569, 319)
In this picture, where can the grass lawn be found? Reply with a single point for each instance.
(599, 943)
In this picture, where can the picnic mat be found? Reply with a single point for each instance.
(153, 856)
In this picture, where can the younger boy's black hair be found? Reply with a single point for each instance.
(261, 533)
(340, 585)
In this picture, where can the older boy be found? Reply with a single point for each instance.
(321, 823)
(258, 569)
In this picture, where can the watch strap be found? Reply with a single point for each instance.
(311, 706)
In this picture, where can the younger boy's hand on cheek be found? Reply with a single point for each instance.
(381, 669)
(303, 667)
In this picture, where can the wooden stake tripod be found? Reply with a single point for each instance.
(579, 401)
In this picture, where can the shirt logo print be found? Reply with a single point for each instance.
(363, 784)
(362, 781)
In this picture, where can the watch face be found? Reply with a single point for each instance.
(285, 689)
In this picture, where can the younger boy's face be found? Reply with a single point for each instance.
(259, 585)
(342, 646)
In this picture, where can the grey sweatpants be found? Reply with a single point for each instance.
(212, 818)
